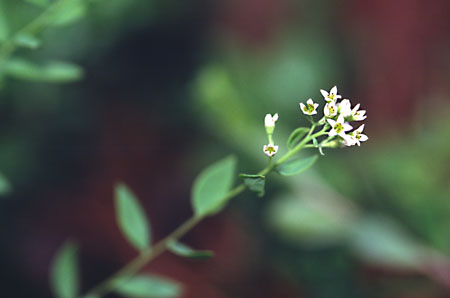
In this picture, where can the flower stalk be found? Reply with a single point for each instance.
(333, 124)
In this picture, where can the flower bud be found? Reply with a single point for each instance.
(269, 123)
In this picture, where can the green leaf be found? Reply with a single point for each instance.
(149, 286)
(382, 241)
(64, 272)
(53, 71)
(316, 144)
(40, 3)
(296, 166)
(131, 218)
(254, 183)
(210, 189)
(69, 12)
(4, 28)
(321, 151)
(27, 41)
(296, 136)
(5, 186)
(183, 250)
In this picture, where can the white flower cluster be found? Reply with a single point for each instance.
(338, 115)
(336, 119)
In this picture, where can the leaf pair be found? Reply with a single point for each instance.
(135, 226)
(65, 279)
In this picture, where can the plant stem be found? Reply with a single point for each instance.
(147, 256)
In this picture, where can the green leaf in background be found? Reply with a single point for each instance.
(183, 250)
(27, 41)
(380, 240)
(53, 71)
(64, 279)
(296, 166)
(4, 28)
(254, 183)
(68, 12)
(296, 136)
(149, 286)
(40, 3)
(5, 186)
(131, 218)
(212, 185)
(307, 223)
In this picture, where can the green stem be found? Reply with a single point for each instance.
(147, 256)
(33, 27)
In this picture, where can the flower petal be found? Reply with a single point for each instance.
(361, 128)
(363, 137)
(333, 90)
(347, 126)
(331, 122)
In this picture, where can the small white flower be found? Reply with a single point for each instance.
(339, 127)
(345, 108)
(358, 115)
(309, 108)
(359, 136)
(269, 123)
(349, 140)
(270, 120)
(332, 96)
(270, 150)
(330, 110)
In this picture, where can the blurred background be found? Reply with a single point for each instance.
(159, 89)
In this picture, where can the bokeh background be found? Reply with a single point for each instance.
(171, 86)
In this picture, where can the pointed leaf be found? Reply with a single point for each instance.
(64, 272)
(210, 189)
(296, 166)
(131, 218)
(27, 41)
(149, 286)
(69, 12)
(254, 183)
(53, 71)
(183, 250)
(296, 136)
(315, 143)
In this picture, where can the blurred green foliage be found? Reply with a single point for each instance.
(385, 204)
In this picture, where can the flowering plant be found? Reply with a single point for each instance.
(211, 192)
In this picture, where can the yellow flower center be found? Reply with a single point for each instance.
(338, 127)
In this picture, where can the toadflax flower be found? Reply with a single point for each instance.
(358, 136)
(330, 110)
(270, 150)
(339, 127)
(331, 96)
(269, 122)
(309, 108)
